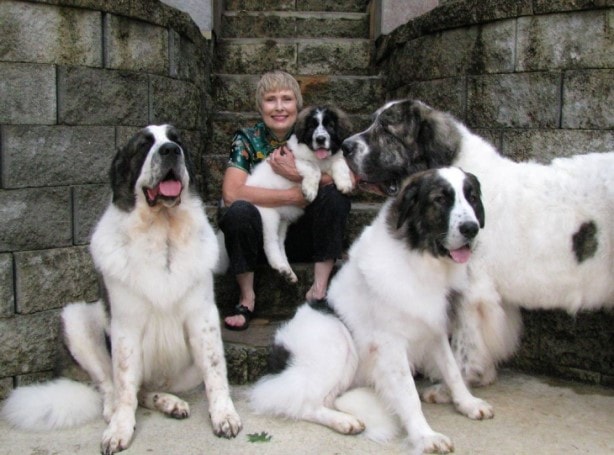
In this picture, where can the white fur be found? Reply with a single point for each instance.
(276, 220)
(394, 302)
(157, 265)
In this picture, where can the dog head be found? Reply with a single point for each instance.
(439, 211)
(322, 129)
(405, 137)
(152, 167)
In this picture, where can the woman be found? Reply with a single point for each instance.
(319, 231)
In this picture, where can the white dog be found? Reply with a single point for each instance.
(316, 145)
(550, 239)
(386, 317)
(155, 250)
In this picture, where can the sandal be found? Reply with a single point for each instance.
(240, 310)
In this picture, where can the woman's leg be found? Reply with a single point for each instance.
(242, 227)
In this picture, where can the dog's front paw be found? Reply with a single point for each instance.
(288, 275)
(117, 436)
(434, 443)
(476, 409)
(226, 424)
(310, 189)
(344, 185)
(347, 424)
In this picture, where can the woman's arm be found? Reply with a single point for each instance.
(234, 188)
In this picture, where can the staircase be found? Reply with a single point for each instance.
(327, 48)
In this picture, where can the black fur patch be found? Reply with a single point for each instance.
(278, 359)
(584, 241)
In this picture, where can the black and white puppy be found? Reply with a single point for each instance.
(550, 240)
(316, 145)
(387, 316)
(155, 251)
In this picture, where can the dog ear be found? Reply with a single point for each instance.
(344, 123)
(407, 201)
(475, 198)
(300, 125)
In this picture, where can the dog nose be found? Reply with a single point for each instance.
(169, 148)
(469, 229)
(320, 140)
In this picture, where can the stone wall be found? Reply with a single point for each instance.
(77, 78)
(536, 78)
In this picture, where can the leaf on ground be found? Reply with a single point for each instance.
(259, 437)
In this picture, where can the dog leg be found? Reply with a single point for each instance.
(84, 327)
(465, 402)
(311, 178)
(398, 390)
(205, 341)
(339, 421)
(272, 228)
(341, 175)
(166, 403)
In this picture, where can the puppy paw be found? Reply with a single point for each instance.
(344, 185)
(476, 409)
(309, 192)
(288, 275)
(434, 443)
(437, 393)
(171, 406)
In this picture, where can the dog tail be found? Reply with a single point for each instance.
(57, 404)
(381, 424)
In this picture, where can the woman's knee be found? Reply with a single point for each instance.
(241, 215)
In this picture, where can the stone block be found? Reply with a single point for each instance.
(246, 25)
(6, 386)
(177, 102)
(27, 94)
(355, 95)
(28, 343)
(136, 46)
(260, 5)
(528, 100)
(35, 218)
(235, 93)
(564, 41)
(255, 57)
(47, 279)
(90, 201)
(334, 56)
(187, 60)
(89, 96)
(214, 167)
(588, 99)
(545, 145)
(35, 156)
(38, 33)
(333, 26)
(7, 294)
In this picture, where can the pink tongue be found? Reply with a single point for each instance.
(170, 188)
(461, 255)
(321, 154)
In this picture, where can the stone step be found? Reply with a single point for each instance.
(298, 56)
(280, 24)
(294, 5)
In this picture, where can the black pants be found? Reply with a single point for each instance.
(317, 236)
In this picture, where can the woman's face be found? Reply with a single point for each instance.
(279, 111)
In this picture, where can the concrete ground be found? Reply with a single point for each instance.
(534, 415)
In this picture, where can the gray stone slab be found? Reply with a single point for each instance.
(35, 218)
(35, 156)
(7, 294)
(177, 102)
(89, 96)
(588, 99)
(28, 94)
(47, 279)
(90, 201)
(39, 33)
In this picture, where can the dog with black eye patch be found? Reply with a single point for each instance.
(350, 359)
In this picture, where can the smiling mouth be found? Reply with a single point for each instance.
(460, 255)
(168, 189)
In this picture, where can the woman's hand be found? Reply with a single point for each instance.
(282, 162)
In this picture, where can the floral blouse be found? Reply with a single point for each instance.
(252, 145)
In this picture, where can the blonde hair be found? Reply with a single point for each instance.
(277, 80)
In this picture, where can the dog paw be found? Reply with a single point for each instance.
(310, 190)
(116, 438)
(171, 406)
(226, 424)
(435, 443)
(288, 275)
(437, 393)
(476, 409)
(348, 425)
(345, 186)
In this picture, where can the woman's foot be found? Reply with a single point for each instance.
(240, 318)
(315, 293)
